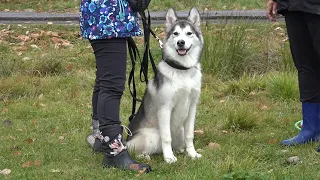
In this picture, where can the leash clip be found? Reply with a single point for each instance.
(160, 42)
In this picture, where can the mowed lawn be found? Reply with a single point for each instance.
(249, 103)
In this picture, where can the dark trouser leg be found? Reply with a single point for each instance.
(304, 37)
(95, 94)
(95, 121)
(111, 56)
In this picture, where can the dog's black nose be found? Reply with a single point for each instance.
(181, 43)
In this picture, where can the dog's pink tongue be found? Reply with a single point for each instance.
(182, 51)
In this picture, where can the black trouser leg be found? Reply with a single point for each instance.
(111, 56)
(304, 37)
(95, 94)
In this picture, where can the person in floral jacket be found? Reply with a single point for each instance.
(106, 19)
(107, 24)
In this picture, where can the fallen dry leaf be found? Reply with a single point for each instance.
(30, 163)
(65, 43)
(40, 97)
(20, 49)
(272, 141)
(53, 130)
(37, 163)
(54, 34)
(219, 94)
(17, 153)
(279, 29)
(42, 105)
(264, 107)
(55, 40)
(199, 132)
(34, 46)
(4, 110)
(29, 140)
(214, 145)
(252, 93)
(27, 164)
(69, 67)
(34, 35)
(5, 171)
(34, 122)
(22, 38)
(141, 172)
(26, 59)
(55, 170)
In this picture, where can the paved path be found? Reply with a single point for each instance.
(227, 16)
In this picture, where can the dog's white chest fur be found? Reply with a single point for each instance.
(181, 90)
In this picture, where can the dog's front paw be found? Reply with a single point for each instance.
(194, 155)
(170, 159)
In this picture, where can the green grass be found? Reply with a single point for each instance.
(248, 107)
(155, 5)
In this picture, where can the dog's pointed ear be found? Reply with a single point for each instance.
(171, 17)
(194, 17)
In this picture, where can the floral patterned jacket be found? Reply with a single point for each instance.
(105, 19)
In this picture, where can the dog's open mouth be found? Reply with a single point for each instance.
(183, 52)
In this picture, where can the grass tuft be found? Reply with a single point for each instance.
(283, 86)
(45, 67)
(246, 86)
(241, 118)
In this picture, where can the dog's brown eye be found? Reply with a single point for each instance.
(189, 33)
(175, 33)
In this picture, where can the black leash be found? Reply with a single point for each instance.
(144, 63)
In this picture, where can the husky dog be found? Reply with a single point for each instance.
(166, 117)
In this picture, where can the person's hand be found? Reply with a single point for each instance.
(272, 10)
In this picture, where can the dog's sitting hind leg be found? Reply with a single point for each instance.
(178, 142)
(146, 142)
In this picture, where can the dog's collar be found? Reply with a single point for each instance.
(175, 65)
